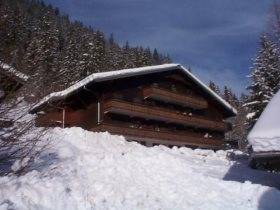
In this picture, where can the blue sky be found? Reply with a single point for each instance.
(216, 38)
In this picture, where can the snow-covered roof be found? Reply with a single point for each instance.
(265, 135)
(12, 71)
(104, 76)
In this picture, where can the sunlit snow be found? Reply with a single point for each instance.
(86, 170)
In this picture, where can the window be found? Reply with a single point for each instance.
(173, 88)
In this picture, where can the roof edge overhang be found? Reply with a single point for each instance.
(232, 111)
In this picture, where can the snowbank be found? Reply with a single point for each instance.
(265, 136)
(86, 170)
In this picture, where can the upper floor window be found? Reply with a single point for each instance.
(155, 84)
(173, 88)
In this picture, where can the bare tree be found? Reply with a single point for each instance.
(19, 145)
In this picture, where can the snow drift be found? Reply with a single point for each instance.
(265, 135)
(86, 170)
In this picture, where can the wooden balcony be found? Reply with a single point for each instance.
(161, 114)
(175, 98)
(160, 137)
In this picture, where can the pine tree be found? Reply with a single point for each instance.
(166, 59)
(156, 57)
(239, 126)
(114, 55)
(56, 52)
(230, 97)
(238, 133)
(265, 78)
(42, 53)
(214, 87)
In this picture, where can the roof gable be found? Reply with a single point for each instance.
(110, 75)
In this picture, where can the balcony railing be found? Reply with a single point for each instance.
(160, 137)
(160, 114)
(175, 98)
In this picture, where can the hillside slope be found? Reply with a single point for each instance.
(85, 170)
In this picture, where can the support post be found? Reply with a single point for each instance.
(63, 118)
(98, 113)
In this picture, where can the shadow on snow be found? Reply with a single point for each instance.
(241, 172)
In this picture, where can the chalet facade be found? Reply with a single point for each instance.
(153, 105)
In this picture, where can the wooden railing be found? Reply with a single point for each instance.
(160, 137)
(160, 114)
(173, 97)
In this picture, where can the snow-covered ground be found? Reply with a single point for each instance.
(265, 136)
(86, 170)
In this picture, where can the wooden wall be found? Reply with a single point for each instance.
(81, 107)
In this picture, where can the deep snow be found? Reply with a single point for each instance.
(86, 170)
(265, 135)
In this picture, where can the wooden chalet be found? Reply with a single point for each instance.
(153, 105)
